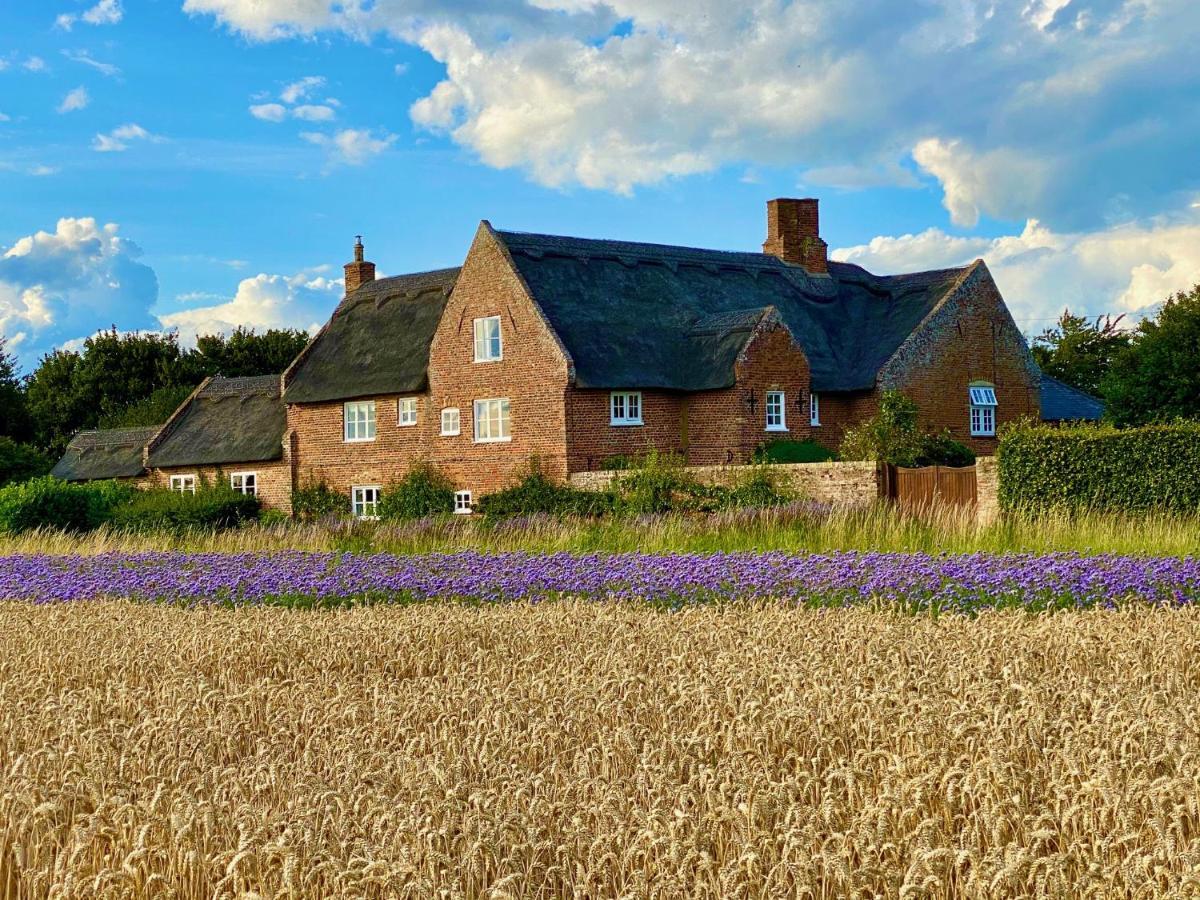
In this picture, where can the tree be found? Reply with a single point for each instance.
(246, 353)
(1157, 378)
(14, 411)
(152, 410)
(56, 405)
(1079, 350)
(20, 462)
(895, 436)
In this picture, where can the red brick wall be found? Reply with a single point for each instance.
(532, 374)
(706, 427)
(321, 453)
(274, 479)
(840, 411)
(972, 337)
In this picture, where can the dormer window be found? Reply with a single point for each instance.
(487, 340)
(983, 410)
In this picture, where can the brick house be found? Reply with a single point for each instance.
(575, 351)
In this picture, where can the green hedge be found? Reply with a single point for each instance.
(424, 491)
(793, 452)
(1100, 467)
(160, 510)
(51, 503)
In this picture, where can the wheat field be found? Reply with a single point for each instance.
(603, 750)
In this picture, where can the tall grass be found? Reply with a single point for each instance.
(797, 527)
(602, 750)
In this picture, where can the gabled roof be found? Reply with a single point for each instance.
(627, 312)
(226, 421)
(377, 341)
(1063, 403)
(108, 453)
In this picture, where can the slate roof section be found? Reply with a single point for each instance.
(227, 421)
(628, 313)
(108, 453)
(1063, 403)
(377, 341)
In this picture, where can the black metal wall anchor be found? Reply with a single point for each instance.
(751, 400)
(729, 457)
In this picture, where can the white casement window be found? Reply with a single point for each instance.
(451, 421)
(359, 420)
(487, 340)
(814, 410)
(462, 503)
(776, 411)
(983, 410)
(183, 484)
(408, 411)
(364, 501)
(244, 483)
(625, 408)
(493, 421)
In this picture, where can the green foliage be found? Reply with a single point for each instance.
(20, 462)
(424, 491)
(758, 488)
(793, 452)
(1157, 378)
(1079, 350)
(1101, 468)
(659, 483)
(14, 410)
(537, 494)
(894, 436)
(172, 511)
(56, 404)
(244, 352)
(319, 501)
(152, 410)
(51, 503)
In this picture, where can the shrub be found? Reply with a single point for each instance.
(793, 452)
(424, 491)
(943, 450)
(318, 500)
(893, 436)
(161, 510)
(536, 493)
(1101, 467)
(658, 484)
(49, 502)
(20, 462)
(758, 488)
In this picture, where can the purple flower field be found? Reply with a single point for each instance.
(304, 579)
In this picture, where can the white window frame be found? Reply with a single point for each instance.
(484, 340)
(366, 424)
(620, 400)
(406, 412)
(483, 414)
(183, 484)
(253, 476)
(780, 400)
(462, 503)
(457, 429)
(983, 410)
(364, 504)
(814, 409)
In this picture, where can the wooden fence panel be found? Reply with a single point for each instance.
(917, 488)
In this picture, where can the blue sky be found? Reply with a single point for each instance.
(196, 164)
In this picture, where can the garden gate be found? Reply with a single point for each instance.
(927, 486)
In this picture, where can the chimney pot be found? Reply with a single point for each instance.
(794, 234)
(358, 272)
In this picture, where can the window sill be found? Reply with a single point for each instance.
(814, 424)
(358, 440)
(503, 440)
(406, 425)
(479, 361)
(777, 429)
(464, 512)
(617, 423)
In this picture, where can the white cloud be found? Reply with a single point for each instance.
(73, 281)
(1127, 269)
(75, 100)
(4, 118)
(613, 94)
(106, 12)
(41, 171)
(118, 139)
(314, 113)
(352, 146)
(269, 112)
(304, 300)
(82, 57)
(35, 64)
(298, 90)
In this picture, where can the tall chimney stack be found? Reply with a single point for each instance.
(794, 234)
(358, 272)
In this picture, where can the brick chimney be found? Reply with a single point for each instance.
(358, 272)
(794, 234)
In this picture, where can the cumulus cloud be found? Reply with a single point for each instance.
(73, 281)
(117, 141)
(292, 95)
(620, 93)
(34, 64)
(309, 112)
(304, 300)
(269, 112)
(298, 90)
(75, 100)
(353, 146)
(1127, 269)
(106, 12)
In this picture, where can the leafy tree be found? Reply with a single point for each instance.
(20, 462)
(245, 352)
(152, 410)
(894, 436)
(56, 405)
(1079, 350)
(1157, 378)
(14, 411)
